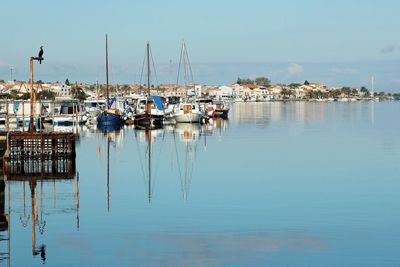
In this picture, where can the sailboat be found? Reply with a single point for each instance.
(146, 118)
(189, 111)
(110, 118)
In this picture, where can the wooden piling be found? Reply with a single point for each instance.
(23, 115)
(40, 154)
(7, 116)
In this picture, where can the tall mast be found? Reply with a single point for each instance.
(148, 70)
(107, 96)
(373, 85)
(186, 80)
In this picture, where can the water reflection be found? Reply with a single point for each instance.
(189, 134)
(147, 165)
(33, 195)
(111, 137)
(230, 192)
(4, 227)
(299, 111)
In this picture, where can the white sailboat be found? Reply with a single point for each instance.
(186, 112)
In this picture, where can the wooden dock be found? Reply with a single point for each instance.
(39, 155)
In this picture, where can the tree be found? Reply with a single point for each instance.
(46, 94)
(125, 88)
(354, 92)
(263, 81)
(381, 94)
(334, 93)
(345, 91)
(364, 91)
(294, 85)
(286, 93)
(67, 82)
(306, 82)
(14, 94)
(244, 81)
(78, 93)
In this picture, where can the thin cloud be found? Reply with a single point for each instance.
(388, 49)
(344, 71)
(294, 70)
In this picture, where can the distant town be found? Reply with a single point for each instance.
(259, 89)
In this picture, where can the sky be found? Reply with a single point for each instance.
(334, 42)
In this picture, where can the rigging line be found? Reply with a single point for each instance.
(159, 156)
(190, 67)
(179, 66)
(193, 165)
(154, 66)
(179, 164)
(185, 70)
(140, 160)
(143, 64)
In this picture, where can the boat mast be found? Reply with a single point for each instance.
(107, 96)
(185, 69)
(372, 85)
(148, 78)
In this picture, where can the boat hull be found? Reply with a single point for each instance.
(150, 121)
(109, 119)
(221, 113)
(68, 120)
(188, 118)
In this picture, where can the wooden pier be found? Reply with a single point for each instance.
(39, 155)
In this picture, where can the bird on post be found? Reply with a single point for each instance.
(40, 55)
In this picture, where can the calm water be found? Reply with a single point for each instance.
(279, 184)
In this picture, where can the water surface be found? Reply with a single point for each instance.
(278, 184)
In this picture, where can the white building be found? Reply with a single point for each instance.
(61, 90)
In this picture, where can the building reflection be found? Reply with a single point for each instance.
(264, 112)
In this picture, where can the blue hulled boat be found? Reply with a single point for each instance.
(110, 116)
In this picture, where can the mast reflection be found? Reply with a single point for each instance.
(36, 175)
(148, 135)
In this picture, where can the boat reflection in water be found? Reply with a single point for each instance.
(4, 226)
(112, 137)
(109, 127)
(31, 179)
(189, 134)
(150, 137)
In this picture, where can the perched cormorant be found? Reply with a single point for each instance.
(40, 55)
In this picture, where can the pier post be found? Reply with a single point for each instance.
(77, 117)
(32, 122)
(7, 116)
(40, 115)
(73, 117)
(23, 115)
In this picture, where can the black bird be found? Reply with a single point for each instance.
(40, 55)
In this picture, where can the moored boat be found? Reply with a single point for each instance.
(110, 116)
(188, 113)
(146, 118)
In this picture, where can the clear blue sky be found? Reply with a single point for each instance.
(337, 42)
